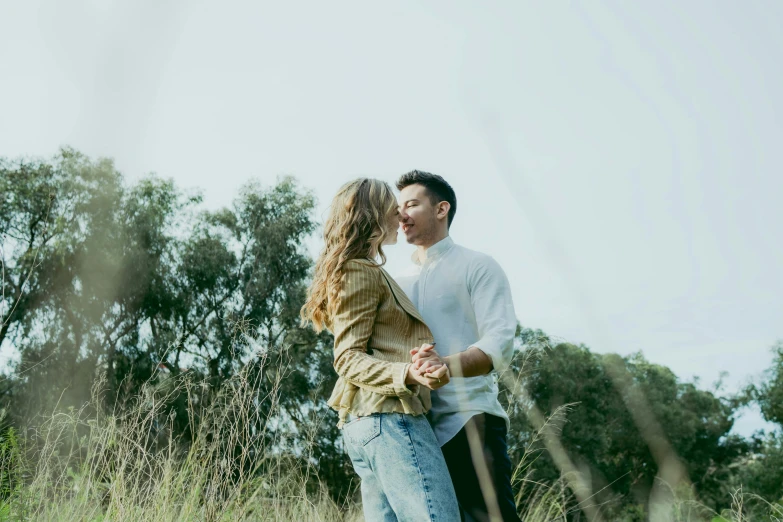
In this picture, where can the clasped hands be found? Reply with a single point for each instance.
(427, 368)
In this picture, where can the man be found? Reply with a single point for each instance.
(465, 299)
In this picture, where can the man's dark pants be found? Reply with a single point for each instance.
(488, 435)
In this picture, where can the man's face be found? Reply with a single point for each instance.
(418, 215)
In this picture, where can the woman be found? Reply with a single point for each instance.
(380, 397)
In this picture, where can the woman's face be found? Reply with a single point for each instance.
(392, 226)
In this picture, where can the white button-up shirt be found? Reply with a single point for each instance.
(465, 299)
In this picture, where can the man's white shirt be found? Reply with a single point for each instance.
(465, 299)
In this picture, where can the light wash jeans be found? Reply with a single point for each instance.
(404, 476)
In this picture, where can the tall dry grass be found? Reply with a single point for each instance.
(125, 464)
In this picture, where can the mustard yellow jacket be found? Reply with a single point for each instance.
(375, 326)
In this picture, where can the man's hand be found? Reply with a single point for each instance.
(425, 359)
(470, 363)
(427, 368)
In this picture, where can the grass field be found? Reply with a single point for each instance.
(94, 465)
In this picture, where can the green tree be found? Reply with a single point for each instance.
(46, 208)
(769, 393)
(136, 283)
(600, 434)
(762, 471)
(48, 212)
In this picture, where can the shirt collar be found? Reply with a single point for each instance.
(438, 249)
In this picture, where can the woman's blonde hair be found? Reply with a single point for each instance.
(355, 229)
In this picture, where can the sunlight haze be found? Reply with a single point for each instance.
(621, 160)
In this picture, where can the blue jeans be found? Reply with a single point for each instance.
(404, 476)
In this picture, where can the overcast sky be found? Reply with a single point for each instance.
(621, 160)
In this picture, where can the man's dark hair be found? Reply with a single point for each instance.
(437, 188)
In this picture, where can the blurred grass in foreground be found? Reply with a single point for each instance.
(122, 466)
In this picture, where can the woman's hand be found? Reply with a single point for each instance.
(426, 359)
(432, 380)
(428, 368)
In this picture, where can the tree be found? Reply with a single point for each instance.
(599, 432)
(762, 471)
(48, 211)
(45, 208)
(769, 393)
(135, 283)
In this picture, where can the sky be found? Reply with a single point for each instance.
(620, 160)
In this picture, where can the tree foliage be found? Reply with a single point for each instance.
(769, 393)
(600, 434)
(137, 286)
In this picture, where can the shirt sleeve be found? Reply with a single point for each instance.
(490, 296)
(352, 326)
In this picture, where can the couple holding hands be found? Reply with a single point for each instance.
(416, 355)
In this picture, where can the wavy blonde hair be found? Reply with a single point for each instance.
(355, 229)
